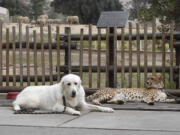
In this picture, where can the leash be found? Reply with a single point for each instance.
(31, 111)
(64, 103)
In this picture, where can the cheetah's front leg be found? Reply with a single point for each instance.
(149, 100)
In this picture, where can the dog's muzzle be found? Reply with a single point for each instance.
(73, 94)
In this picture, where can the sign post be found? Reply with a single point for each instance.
(111, 20)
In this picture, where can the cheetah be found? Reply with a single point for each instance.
(151, 93)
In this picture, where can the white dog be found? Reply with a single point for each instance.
(51, 97)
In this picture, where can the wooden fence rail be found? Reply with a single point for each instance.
(158, 35)
(121, 58)
(31, 45)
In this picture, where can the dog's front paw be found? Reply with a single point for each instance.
(78, 113)
(107, 109)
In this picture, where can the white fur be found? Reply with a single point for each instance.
(161, 96)
(50, 97)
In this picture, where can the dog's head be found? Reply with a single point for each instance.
(154, 81)
(70, 85)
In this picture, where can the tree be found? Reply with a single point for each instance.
(87, 10)
(37, 7)
(162, 9)
(137, 6)
(165, 10)
(15, 7)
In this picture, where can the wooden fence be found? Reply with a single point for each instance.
(134, 55)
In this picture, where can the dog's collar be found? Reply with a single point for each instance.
(64, 103)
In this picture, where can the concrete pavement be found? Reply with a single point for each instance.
(124, 122)
(128, 119)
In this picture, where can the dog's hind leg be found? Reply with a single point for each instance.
(25, 103)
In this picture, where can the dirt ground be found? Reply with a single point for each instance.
(75, 28)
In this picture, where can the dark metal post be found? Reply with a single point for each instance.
(67, 58)
(177, 48)
(111, 57)
(112, 19)
(177, 43)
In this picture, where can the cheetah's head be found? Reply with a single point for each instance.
(154, 81)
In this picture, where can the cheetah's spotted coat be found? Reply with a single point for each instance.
(150, 94)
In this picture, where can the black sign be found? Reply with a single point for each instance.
(113, 19)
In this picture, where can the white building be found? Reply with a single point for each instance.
(4, 14)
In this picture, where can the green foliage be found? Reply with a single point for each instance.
(15, 7)
(61, 16)
(162, 9)
(87, 10)
(165, 10)
(37, 7)
(137, 7)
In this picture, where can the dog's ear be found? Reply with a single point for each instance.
(80, 83)
(62, 85)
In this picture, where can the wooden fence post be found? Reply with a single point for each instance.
(107, 57)
(58, 53)
(81, 54)
(99, 59)
(130, 54)
(28, 56)
(20, 54)
(14, 55)
(1, 67)
(42, 53)
(67, 58)
(90, 56)
(7, 57)
(50, 54)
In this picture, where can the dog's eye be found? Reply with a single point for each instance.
(152, 78)
(69, 84)
(75, 83)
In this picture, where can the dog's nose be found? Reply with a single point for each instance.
(73, 93)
